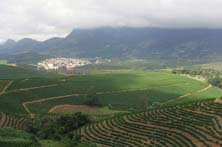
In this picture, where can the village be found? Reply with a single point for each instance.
(62, 63)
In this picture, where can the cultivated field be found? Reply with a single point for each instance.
(22, 71)
(16, 138)
(192, 125)
(3, 85)
(10, 121)
(122, 90)
(172, 118)
(91, 110)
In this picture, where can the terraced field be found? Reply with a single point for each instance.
(192, 125)
(16, 122)
(176, 124)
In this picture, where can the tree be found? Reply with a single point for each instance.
(60, 127)
(143, 102)
(92, 100)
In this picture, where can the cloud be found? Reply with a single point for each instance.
(42, 19)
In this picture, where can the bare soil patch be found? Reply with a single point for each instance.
(218, 100)
(73, 108)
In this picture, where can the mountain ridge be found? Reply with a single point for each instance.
(126, 42)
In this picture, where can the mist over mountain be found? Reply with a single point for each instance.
(126, 42)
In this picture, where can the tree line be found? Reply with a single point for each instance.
(60, 128)
(213, 77)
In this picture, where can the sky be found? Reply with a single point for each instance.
(43, 19)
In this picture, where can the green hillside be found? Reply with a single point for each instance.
(192, 125)
(125, 90)
(22, 71)
(172, 44)
(52, 143)
(3, 83)
(14, 138)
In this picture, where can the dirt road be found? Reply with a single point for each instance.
(189, 94)
(98, 93)
(43, 100)
(6, 87)
(31, 88)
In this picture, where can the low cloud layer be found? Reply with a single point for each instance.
(42, 19)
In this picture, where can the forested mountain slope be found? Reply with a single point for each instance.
(123, 42)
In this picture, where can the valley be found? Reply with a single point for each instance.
(114, 73)
(101, 95)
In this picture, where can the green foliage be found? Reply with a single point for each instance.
(51, 143)
(25, 58)
(124, 64)
(60, 128)
(216, 82)
(207, 73)
(3, 83)
(121, 89)
(214, 77)
(92, 100)
(22, 71)
(33, 82)
(15, 138)
(177, 45)
(191, 125)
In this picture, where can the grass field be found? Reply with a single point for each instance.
(118, 90)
